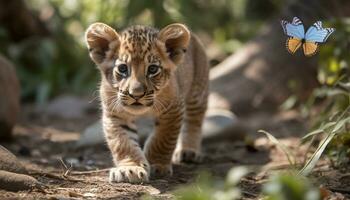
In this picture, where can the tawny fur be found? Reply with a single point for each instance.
(176, 96)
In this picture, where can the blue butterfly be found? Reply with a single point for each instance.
(297, 37)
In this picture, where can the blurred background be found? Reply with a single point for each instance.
(254, 84)
(44, 39)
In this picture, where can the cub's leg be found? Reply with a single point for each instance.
(160, 146)
(131, 164)
(189, 143)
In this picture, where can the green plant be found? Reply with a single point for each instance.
(287, 152)
(336, 126)
(290, 187)
(332, 99)
(208, 188)
(328, 106)
(282, 186)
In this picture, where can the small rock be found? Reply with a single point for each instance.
(72, 161)
(67, 107)
(9, 98)
(9, 162)
(216, 120)
(90, 162)
(92, 135)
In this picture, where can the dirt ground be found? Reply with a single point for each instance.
(46, 144)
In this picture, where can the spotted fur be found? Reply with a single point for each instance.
(150, 72)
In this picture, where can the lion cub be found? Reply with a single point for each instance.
(150, 72)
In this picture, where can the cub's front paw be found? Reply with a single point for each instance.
(161, 170)
(186, 156)
(131, 174)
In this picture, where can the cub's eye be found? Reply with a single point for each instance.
(153, 70)
(122, 69)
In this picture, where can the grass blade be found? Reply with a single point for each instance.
(311, 163)
(320, 130)
(281, 146)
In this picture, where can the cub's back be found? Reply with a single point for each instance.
(193, 74)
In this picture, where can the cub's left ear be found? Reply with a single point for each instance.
(102, 41)
(176, 38)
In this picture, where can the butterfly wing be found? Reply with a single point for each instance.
(310, 48)
(294, 29)
(316, 33)
(293, 44)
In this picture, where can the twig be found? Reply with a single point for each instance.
(50, 175)
(339, 190)
(89, 172)
(67, 169)
(63, 164)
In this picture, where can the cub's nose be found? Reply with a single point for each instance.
(137, 91)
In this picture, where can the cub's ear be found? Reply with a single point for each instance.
(102, 41)
(176, 38)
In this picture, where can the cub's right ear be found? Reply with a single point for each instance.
(102, 41)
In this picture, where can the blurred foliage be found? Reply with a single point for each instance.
(328, 107)
(290, 187)
(332, 129)
(331, 100)
(59, 63)
(280, 186)
(208, 188)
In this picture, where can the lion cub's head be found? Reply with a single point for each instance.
(136, 63)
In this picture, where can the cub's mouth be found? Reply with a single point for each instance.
(136, 104)
(137, 107)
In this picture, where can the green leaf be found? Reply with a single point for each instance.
(320, 130)
(285, 149)
(340, 124)
(311, 163)
(289, 187)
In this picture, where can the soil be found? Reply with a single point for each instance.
(46, 147)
